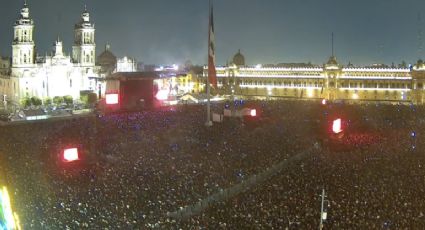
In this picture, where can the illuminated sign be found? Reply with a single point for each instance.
(162, 94)
(70, 155)
(253, 112)
(112, 99)
(8, 219)
(336, 126)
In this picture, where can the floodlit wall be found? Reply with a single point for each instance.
(332, 82)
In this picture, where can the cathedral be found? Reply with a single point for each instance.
(27, 74)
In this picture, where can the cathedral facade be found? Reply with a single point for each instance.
(27, 74)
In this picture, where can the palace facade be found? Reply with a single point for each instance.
(330, 81)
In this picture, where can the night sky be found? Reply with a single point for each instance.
(266, 31)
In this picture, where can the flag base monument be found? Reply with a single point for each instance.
(208, 123)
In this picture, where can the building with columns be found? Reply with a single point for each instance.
(330, 81)
(58, 74)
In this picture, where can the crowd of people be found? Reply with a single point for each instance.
(137, 167)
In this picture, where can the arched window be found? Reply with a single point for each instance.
(25, 58)
(87, 58)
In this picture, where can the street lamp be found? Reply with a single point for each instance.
(233, 100)
(5, 101)
(323, 210)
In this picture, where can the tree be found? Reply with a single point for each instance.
(58, 100)
(68, 100)
(84, 98)
(36, 101)
(47, 101)
(26, 102)
(91, 99)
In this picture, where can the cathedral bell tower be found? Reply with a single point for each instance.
(84, 48)
(23, 47)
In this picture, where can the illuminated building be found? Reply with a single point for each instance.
(110, 64)
(331, 81)
(126, 64)
(52, 75)
(58, 74)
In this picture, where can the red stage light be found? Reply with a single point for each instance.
(253, 112)
(336, 126)
(112, 99)
(70, 154)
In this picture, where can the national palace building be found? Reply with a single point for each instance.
(330, 81)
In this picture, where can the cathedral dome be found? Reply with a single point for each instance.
(239, 59)
(107, 60)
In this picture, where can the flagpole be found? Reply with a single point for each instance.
(209, 122)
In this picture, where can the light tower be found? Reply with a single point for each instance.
(23, 47)
(84, 48)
